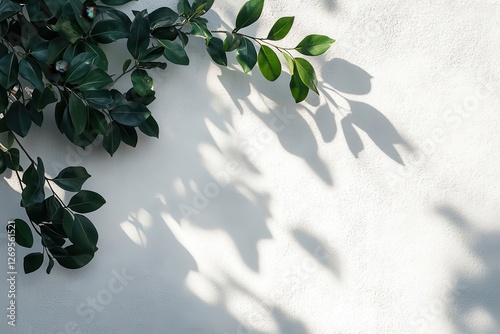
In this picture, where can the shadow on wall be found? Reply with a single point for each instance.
(477, 297)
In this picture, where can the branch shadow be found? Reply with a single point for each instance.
(477, 295)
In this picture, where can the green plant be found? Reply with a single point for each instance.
(50, 59)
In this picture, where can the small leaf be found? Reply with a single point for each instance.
(86, 201)
(29, 70)
(150, 127)
(128, 135)
(50, 266)
(80, 66)
(9, 69)
(249, 13)
(314, 45)
(298, 89)
(82, 233)
(215, 48)
(32, 262)
(281, 28)
(162, 17)
(131, 114)
(43, 99)
(100, 60)
(269, 64)
(174, 52)
(246, 55)
(78, 113)
(307, 74)
(98, 98)
(126, 65)
(142, 82)
(290, 62)
(200, 29)
(18, 119)
(71, 178)
(95, 80)
(76, 259)
(112, 139)
(232, 41)
(24, 236)
(152, 54)
(108, 31)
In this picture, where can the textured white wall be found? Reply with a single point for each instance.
(371, 209)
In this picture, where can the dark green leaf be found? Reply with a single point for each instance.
(131, 114)
(184, 8)
(98, 122)
(56, 49)
(8, 8)
(246, 55)
(11, 159)
(232, 41)
(18, 119)
(32, 262)
(86, 201)
(249, 13)
(200, 29)
(307, 74)
(115, 2)
(82, 233)
(24, 236)
(29, 70)
(281, 28)
(73, 50)
(76, 259)
(152, 54)
(128, 135)
(50, 266)
(9, 69)
(40, 52)
(101, 60)
(78, 113)
(126, 65)
(174, 52)
(108, 31)
(71, 178)
(298, 89)
(69, 29)
(43, 99)
(95, 80)
(215, 48)
(314, 45)
(80, 67)
(138, 39)
(162, 17)
(269, 64)
(99, 99)
(35, 114)
(112, 139)
(142, 82)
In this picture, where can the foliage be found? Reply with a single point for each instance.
(51, 60)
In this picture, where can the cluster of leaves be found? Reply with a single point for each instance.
(51, 59)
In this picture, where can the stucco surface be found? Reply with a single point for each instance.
(373, 208)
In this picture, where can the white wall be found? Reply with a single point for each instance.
(371, 209)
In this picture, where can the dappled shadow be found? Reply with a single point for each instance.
(476, 301)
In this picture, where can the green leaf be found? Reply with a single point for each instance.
(30, 70)
(100, 99)
(56, 49)
(249, 13)
(18, 119)
(174, 52)
(98, 122)
(150, 127)
(101, 60)
(131, 114)
(184, 8)
(314, 45)
(76, 259)
(43, 99)
(40, 52)
(81, 232)
(152, 54)
(108, 31)
(50, 266)
(11, 159)
(232, 41)
(9, 69)
(298, 89)
(269, 64)
(112, 138)
(86, 201)
(290, 62)
(126, 65)
(35, 114)
(215, 48)
(128, 135)
(8, 8)
(73, 50)
(151, 65)
(95, 80)
(115, 2)
(142, 82)
(307, 74)
(281, 28)
(80, 66)
(71, 178)
(200, 29)
(138, 40)
(162, 17)
(69, 29)
(32, 262)
(24, 236)
(78, 113)
(246, 55)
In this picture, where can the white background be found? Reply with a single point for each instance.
(370, 209)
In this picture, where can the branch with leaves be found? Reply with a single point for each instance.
(51, 60)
